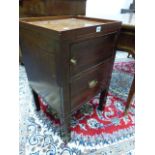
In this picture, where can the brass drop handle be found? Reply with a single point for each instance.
(73, 61)
(92, 83)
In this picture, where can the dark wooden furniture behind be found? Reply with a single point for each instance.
(126, 39)
(126, 43)
(68, 60)
(32, 8)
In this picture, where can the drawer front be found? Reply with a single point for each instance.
(88, 84)
(86, 54)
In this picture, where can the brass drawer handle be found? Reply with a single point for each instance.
(73, 61)
(92, 84)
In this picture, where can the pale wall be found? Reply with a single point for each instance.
(108, 9)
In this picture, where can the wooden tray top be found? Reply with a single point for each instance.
(65, 24)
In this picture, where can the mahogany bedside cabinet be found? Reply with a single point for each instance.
(68, 60)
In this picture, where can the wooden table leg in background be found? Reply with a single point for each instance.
(130, 96)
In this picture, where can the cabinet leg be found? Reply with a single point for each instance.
(35, 96)
(102, 99)
(65, 129)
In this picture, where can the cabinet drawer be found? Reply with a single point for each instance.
(91, 52)
(88, 84)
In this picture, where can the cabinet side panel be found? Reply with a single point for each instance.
(40, 66)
